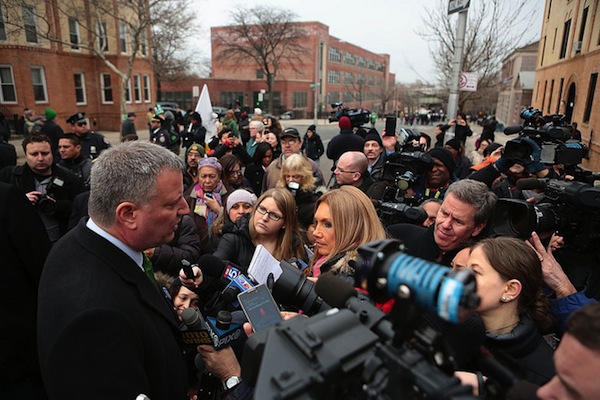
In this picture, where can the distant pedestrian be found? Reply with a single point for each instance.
(312, 145)
(347, 140)
(128, 131)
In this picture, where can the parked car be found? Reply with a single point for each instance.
(220, 111)
(287, 115)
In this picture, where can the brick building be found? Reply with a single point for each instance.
(567, 68)
(62, 74)
(344, 72)
(516, 84)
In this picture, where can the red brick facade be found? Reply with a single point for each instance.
(231, 81)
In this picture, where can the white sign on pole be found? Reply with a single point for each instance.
(457, 6)
(468, 82)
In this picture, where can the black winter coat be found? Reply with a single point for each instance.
(313, 147)
(235, 244)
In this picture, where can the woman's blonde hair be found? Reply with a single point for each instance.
(354, 219)
(289, 241)
(297, 165)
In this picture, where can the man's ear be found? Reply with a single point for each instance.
(478, 229)
(126, 214)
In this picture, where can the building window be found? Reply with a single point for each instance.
(348, 97)
(38, 79)
(333, 76)
(147, 97)
(102, 36)
(106, 84)
(29, 22)
(123, 37)
(349, 59)
(333, 97)
(335, 54)
(362, 62)
(565, 41)
(299, 99)
(8, 93)
(590, 98)
(79, 81)
(560, 90)
(228, 99)
(550, 96)
(260, 74)
(2, 26)
(128, 92)
(137, 89)
(348, 77)
(74, 33)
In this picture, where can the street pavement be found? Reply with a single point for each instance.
(325, 129)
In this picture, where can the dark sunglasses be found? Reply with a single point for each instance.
(81, 123)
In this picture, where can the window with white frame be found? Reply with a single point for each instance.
(29, 23)
(147, 97)
(137, 89)
(40, 94)
(74, 33)
(102, 35)
(144, 43)
(335, 54)
(299, 99)
(79, 81)
(8, 93)
(106, 84)
(333, 76)
(123, 37)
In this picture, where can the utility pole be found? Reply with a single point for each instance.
(459, 43)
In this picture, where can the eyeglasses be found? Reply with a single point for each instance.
(81, 123)
(288, 142)
(238, 172)
(270, 214)
(343, 170)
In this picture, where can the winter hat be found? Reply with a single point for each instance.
(240, 196)
(454, 143)
(196, 147)
(345, 123)
(210, 162)
(491, 148)
(312, 128)
(444, 156)
(50, 114)
(373, 135)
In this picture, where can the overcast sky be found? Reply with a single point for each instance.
(380, 26)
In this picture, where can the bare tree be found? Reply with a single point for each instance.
(495, 28)
(171, 25)
(266, 35)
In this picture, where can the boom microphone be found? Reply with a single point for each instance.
(532, 183)
(513, 130)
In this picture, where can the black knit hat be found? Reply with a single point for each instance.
(373, 135)
(444, 156)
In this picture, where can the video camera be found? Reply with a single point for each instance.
(551, 133)
(401, 170)
(356, 352)
(570, 207)
(358, 116)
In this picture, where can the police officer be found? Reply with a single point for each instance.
(160, 135)
(92, 143)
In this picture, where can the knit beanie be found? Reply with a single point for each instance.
(50, 114)
(444, 156)
(240, 196)
(373, 135)
(345, 123)
(454, 143)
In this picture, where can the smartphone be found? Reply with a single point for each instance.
(209, 195)
(390, 126)
(259, 307)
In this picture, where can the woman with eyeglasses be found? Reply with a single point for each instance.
(272, 224)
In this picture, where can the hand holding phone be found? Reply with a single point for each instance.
(259, 307)
(390, 126)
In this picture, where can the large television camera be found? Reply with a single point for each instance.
(551, 133)
(357, 352)
(570, 207)
(358, 116)
(400, 172)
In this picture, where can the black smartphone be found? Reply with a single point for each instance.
(209, 195)
(259, 307)
(390, 126)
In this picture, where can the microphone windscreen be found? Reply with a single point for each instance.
(211, 265)
(530, 184)
(333, 290)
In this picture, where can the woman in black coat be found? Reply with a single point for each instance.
(255, 172)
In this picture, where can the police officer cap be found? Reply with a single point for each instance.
(75, 118)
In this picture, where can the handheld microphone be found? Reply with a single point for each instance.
(222, 330)
(187, 269)
(237, 285)
(217, 268)
(195, 331)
